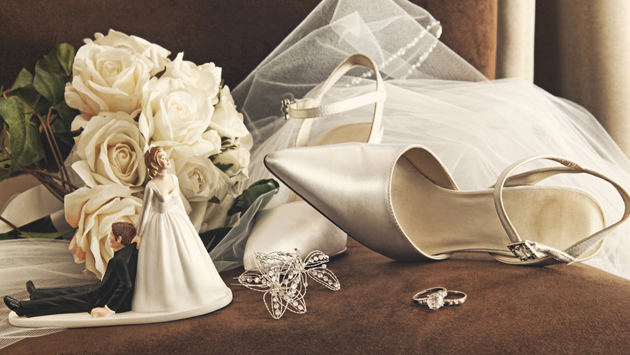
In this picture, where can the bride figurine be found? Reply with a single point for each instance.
(175, 272)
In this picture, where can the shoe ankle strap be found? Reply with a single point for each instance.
(527, 250)
(308, 108)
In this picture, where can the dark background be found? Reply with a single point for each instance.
(236, 34)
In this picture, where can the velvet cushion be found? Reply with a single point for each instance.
(236, 35)
(510, 309)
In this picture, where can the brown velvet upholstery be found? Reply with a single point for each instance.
(236, 35)
(510, 309)
(469, 27)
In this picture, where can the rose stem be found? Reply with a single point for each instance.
(41, 119)
(52, 176)
(9, 223)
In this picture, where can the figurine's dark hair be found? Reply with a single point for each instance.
(125, 230)
(151, 160)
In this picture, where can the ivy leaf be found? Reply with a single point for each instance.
(26, 147)
(51, 86)
(37, 235)
(67, 114)
(9, 235)
(23, 79)
(65, 55)
(24, 89)
(58, 61)
(63, 133)
(32, 99)
(246, 199)
(223, 167)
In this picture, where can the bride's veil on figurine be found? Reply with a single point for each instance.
(434, 97)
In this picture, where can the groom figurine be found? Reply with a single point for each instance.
(110, 295)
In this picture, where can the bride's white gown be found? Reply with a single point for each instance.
(174, 271)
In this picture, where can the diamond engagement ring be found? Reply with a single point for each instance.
(435, 297)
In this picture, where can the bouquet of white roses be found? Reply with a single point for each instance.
(124, 94)
(130, 96)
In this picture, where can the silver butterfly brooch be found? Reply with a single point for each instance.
(283, 277)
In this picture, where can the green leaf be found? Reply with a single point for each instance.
(212, 237)
(32, 99)
(67, 114)
(51, 86)
(23, 79)
(63, 133)
(33, 235)
(9, 235)
(247, 198)
(223, 167)
(65, 55)
(58, 61)
(26, 147)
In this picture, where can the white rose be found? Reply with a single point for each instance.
(92, 211)
(156, 54)
(176, 114)
(226, 120)
(206, 77)
(111, 151)
(199, 179)
(107, 79)
(211, 143)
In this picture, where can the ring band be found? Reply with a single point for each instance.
(455, 301)
(436, 297)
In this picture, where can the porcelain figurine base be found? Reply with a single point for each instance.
(84, 320)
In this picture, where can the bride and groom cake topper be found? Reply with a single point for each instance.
(169, 277)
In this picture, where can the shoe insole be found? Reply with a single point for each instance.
(438, 220)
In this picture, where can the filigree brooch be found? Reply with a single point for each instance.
(283, 277)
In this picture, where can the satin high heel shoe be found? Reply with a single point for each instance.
(296, 224)
(400, 201)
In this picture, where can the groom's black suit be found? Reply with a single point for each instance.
(115, 290)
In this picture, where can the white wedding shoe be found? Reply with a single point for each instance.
(296, 224)
(400, 201)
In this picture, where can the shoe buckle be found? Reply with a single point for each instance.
(525, 250)
(285, 108)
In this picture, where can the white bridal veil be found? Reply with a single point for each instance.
(434, 97)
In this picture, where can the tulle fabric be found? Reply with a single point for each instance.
(435, 98)
(46, 263)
